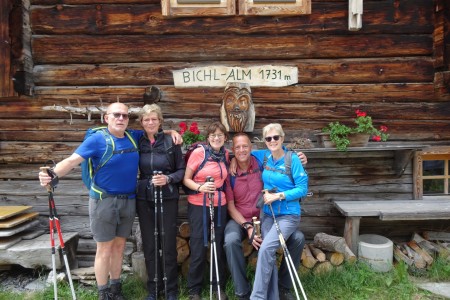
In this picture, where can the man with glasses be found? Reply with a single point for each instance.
(112, 214)
(242, 195)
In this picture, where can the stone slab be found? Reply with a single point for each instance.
(19, 228)
(7, 242)
(37, 252)
(440, 288)
(9, 211)
(18, 219)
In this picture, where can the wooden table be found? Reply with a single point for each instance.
(386, 210)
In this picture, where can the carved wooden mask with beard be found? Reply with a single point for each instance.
(237, 111)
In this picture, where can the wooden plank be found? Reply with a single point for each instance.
(348, 71)
(441, 207)
(10, 211)
(6, 88)
(17, 229)
(18, 219)
(59, 49)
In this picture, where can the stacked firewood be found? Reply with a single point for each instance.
(420, 252)
(325, 253)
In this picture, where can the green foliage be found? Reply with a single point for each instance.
(190, 134)
(347, 282)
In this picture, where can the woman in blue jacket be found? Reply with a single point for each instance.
(284, 196)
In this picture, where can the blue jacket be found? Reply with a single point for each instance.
(283, 183)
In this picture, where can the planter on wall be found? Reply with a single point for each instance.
(356, 140)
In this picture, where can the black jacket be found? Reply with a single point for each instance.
(157, 158)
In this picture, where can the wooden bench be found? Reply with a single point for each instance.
(389, 210)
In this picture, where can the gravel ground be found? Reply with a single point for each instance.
(19, 279)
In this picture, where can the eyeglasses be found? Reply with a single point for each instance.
(118, 115)
(219, 136)
(269, 138)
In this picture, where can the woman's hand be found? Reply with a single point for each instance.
(208, 187)
(159, 180)
(271, 197)
(233, 167)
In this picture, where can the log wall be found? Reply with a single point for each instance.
(90, 54)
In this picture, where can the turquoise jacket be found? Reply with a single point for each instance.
(282, 182)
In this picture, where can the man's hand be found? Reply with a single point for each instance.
(176, 137)
(302, 157)
(256, 242)
(44, 178)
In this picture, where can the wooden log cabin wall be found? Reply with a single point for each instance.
(84, 53)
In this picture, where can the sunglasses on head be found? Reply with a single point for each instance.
(269, 138)
(118, 115)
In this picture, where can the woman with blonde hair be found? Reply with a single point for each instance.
(158, 153)
(281, 201)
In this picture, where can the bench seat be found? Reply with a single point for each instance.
(389, 210)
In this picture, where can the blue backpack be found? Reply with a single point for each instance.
(87, 170)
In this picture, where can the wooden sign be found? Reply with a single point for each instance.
(219, 76)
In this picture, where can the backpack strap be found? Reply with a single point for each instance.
(168, 146)
(109, 152)
(287, 165)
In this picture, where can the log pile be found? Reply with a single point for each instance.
(420, 252)
(325, 253)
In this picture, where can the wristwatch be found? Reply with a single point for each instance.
(169, 179)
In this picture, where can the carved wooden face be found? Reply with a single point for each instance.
(237, 102)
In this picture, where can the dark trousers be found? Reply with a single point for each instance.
(198, 249)
(146, 213)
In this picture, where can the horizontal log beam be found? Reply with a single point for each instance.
(66, 49)
(310, 71)
(69, 17)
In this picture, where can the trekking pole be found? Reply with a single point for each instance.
(163, 234)
(54, 222)
(287, 256)
(212, 248)
(155, 198)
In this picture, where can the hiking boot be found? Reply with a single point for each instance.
(151, 297)
(116, 291)
(104, 295)
(195, 297)
(172, 296)
(244, 297)
(285, 294)
(223, 296)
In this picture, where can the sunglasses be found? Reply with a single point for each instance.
(118, 115)
(269, 138)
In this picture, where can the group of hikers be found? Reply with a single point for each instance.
(223, 197)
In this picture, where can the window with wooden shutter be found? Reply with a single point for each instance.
(199, 8)
(274, 7)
